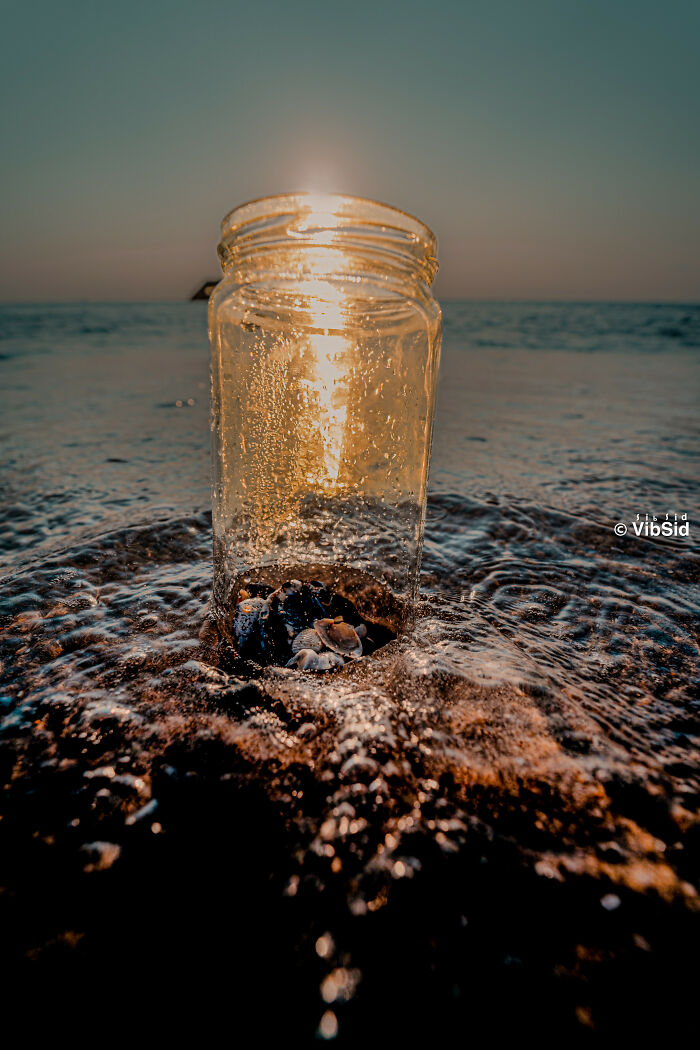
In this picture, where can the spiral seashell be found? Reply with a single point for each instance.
(304, 660)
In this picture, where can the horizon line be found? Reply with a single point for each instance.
(440, 298)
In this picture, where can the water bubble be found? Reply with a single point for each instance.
(328, 1027)
(325, 946)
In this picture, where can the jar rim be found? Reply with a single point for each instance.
(308, 227)
(363, 209)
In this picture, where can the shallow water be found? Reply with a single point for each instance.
(514, 781)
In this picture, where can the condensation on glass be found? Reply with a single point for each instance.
(325, 345)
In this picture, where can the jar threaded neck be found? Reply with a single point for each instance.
(326, 235)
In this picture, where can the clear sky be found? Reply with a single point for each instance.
(553, 145)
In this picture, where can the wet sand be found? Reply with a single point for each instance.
(411, 848)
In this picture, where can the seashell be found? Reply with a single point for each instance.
(305, 660)
(307, 639)
(320, 592)
(287, 602)
(248, 613)
(250, 629)
(328, 661)
(340, 637)
(313, 596)
(273, 641)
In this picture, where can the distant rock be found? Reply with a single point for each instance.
(205, 290)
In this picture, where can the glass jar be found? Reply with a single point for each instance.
(325, 344)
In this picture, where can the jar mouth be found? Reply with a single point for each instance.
(333, 224)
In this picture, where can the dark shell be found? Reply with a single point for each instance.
(287, 603)
(246, 617)
(248, 620)
(311, 596)
(272, 640)
(258, 634)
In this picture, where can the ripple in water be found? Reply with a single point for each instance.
(512, 778)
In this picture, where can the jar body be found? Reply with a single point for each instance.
(323, 398)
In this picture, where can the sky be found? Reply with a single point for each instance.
(553, 146)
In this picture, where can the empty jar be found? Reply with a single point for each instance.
(325, 344)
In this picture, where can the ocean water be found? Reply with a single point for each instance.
(586, 408)
(515, 781)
